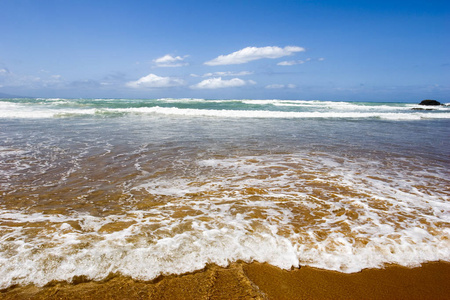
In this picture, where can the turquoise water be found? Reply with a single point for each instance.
(42, 108)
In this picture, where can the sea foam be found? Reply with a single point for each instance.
(295, 109)
(256, 208)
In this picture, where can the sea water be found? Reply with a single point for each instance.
(143, 188)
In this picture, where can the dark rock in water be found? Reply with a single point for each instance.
(429, 102)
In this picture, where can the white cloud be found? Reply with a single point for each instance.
(155, 81)
(4, 71)
(218, 83)
(275, 86)
(297, 62)
(281, 86)
(170, 61)
(290, 62)
(219, 74)
(253, 53)
(10, 79)
(243, 73)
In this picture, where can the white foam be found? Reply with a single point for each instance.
(5, 152)
(185, 100)
(224, 228)
(279, 114)
(21, 111)
(50, 108)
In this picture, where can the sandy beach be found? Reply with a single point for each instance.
(258, 281)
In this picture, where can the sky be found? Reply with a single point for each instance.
(393, 50)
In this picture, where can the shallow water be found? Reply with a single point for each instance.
(149, 187)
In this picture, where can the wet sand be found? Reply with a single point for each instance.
(258, 281)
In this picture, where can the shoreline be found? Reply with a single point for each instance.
(257, 281)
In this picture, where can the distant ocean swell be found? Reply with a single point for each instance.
(49, 108)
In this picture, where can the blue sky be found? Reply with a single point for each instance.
(327, 50)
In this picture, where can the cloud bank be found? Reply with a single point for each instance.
(155, 81)
(170, 61)
(243, 73)
(290, 62)
(11, 79)
(218, 83)
(297, 62)
(253, 53)
(281, 86)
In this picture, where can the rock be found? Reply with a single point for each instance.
(429, 102)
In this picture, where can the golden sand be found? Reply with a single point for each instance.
(258, 281)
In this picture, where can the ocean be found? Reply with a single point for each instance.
(150, 187)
